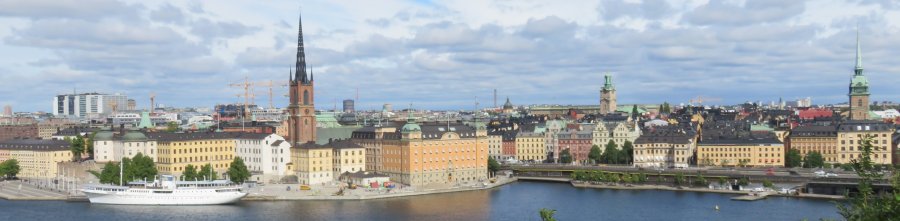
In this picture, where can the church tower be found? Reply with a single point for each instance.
(608, 97)
(859, 89)
(302, 109)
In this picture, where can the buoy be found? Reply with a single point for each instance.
(717, 207)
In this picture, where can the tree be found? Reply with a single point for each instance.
(77, 147)
(793, 158)
(744, 181)
(190, 173)
(634, 112)
(679, 179)
(867, 205)
(172, 127)
(238, 172)
(9, 168)
(610, 153)
(628, 152)
(768, 184)
(547, 214)
(722, 181)
(743, 162)
(594, 155)
(141, 167)
(493, 166)
(89, 146)
(701, 181)
(813, 159)
(110, 173)
(207, 173)
(565, 156)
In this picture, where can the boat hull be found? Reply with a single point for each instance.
(182, 198)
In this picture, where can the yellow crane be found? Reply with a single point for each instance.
(249, 94)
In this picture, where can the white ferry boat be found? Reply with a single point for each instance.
(166, 192)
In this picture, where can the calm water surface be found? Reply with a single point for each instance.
(517, 201)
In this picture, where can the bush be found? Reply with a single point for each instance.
(768, 184)
(701, 181)
(744, 181)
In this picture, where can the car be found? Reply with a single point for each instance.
(820, 173)
(831, 175)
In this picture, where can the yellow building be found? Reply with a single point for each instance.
(417, 155)
(38, 159)
(530, 147)
(313, 163)
(177, 150)
(348, 157)
(822, 139)
(851, 133)
(768, 152)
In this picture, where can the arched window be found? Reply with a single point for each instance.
(305, 97)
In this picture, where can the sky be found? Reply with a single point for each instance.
(447, 54)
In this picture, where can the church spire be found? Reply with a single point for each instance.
(859, 68)
(300, 75)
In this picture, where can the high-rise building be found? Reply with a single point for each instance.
(348, 106)
(859, 89)
(302, 110)
(88, 104)
(608, 96)
(131, 105)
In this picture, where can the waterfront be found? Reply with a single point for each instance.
(516, 201)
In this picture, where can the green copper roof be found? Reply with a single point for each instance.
(608, 85)
(104, 135)
(327, 120)
(145, 120)
(859, 85)
(134, 136)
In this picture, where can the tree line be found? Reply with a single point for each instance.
(142, 167)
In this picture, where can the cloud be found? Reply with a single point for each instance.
(753, 12)
(651, 9)
(71, 9)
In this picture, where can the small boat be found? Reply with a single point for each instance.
(717, 207)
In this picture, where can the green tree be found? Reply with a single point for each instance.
(172, 127)
(722, 181)
(866, 205)
(89, 145)
(77, 147)
(627, 152)
(141, 167)
(743, 162)
(594, 155)
(238, 172)
(679, 179)
(744, 181)
(634, 112)
(813, 159)
(10, 168)
(493, 166)
(768, 184)
(110, 173)
(565, 156)
(701, 181)
(793, 158)
(190, 173)
(610, 153)
(547, 214)
(207, 173)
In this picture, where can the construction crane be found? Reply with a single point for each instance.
(249, 94)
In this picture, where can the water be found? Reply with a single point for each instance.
(517, 201)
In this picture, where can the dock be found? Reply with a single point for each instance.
(754, 196)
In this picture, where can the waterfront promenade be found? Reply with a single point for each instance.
(333, 192)
(17, 190)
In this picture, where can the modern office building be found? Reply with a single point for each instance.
(89, 105)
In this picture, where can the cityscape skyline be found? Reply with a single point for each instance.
(431, 48)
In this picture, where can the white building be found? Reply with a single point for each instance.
(887, 114)
(109, 146)
(266, 155)
(90, 105)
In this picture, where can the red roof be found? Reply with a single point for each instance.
(814, 113)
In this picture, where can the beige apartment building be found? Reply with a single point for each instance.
(763, 152)
(851, 133)
(530, 147)
(38, 159)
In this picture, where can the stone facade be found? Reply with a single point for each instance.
(744, 152)
(608, 97)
